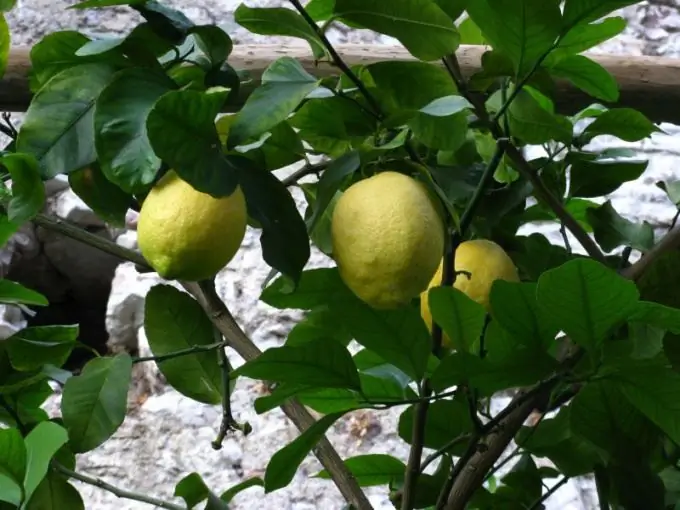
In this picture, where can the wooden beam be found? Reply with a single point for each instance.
(648, 84)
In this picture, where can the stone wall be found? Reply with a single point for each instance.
(167, 436)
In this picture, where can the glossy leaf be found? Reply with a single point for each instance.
(583, 11)
(28, 191)
(123, 147)
(589, 76)
(12, 293)
(106, 199)
(625, 123)
(461, 318)
(229, 494)
(285, 462)
(94, 403)
(42, 443)
(55, 493)
(372, 469)
(446, 420)
(174, 321)
(586, 300)
(58, 129)
(613, 230)
(597, 178)
(182, 132)
(31, 348)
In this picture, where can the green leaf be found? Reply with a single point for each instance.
(585, 36)
(460, 317)
(278, 21)
(309, 293)
(613, 230)
(174, 321)
(7, 230)
(658, 315)
(120, 122)
(322, 362)
(13, 456)
(625, 123)
(601, 414)
(637, 485)
(281, 393)
(318, 323)
(58, 128)
(26, 402)
(229, 494)
(55, 493)
(421, 26)
(94, 403)
(54, 53)
(167, 22)
(28, 191)
(284, 239)
(42, 443)
(589, 76)
(523, 484)
(284, 85)
(284, 463)
(33, 347)
(515, 308)
(586, 300)
(598, 178)
(106, 199)
(443, 133)
(12, 293)
(331, 180)
(182, 132)
(446, 420)
(214, 42)
(372, 469)
(654, 390)
(192, 489)
(5, 43)
(7, 5)
(525, 30)
(584, 11)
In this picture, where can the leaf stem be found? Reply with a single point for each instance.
(306, 170)
(121, 493)
(444, 449)
(194, 349)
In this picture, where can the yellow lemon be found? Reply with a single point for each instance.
(486, 262)
(185, 234)
(388, 238)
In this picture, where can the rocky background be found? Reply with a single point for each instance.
(167, 436)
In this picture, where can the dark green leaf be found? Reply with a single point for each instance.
(589, 76)
(229, 494)
(31, 348)
(672, 189)
(192, 489)
(421, 26)
(123, 148)
(322, 362)
(658, 315)
(7, 5)
(372, 469)
(613, 230)
(28, 191)
(585, 299)
(7, 229)
(585, 36)
(320, 322)
(515, 308)
(578, 12)
(443, 133)
(284, 85)
(523, 483)
(624, 123)
(13, 293)
(284, 463)
(54, 53)
(167, 22)
(42, 443)
(597, 178)
(278, 21)
(55, 493)
(655, 390)
(537, 254)
(214, 42)
(310, 292)
(58, 128)
(601, 414)
(461, 318)
(636, 485)
(27, 403)
(182, 132)
(94, 403)
(525, 30)
(284, 239)
(106, 199)
(13, 456)
(446, 420)
(281, 394)
(331, 181)
(174, 321)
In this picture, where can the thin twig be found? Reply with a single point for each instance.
(304, 172)
(121, 493)
(296, 412)
(444, 449)
(194, 349)
(539, 502)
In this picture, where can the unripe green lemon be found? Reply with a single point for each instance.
(388, 238)
(486, 262)
(185, 234)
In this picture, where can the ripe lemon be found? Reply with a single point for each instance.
(185, 234)
(486, 262)
(388, 238)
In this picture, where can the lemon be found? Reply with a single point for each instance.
(388, 238)
(486, 262)
(185, 234)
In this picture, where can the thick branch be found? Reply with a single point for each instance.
(648, 84)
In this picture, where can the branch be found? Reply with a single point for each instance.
(539, 502)
(194, 349)
(121, 493)
(304, 172)
(297, 413)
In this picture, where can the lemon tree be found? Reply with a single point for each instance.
(408, 177)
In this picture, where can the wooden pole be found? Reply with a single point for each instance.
(648, 84)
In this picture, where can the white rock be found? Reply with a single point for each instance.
(69, 206)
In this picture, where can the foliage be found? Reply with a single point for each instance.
(577, 335)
